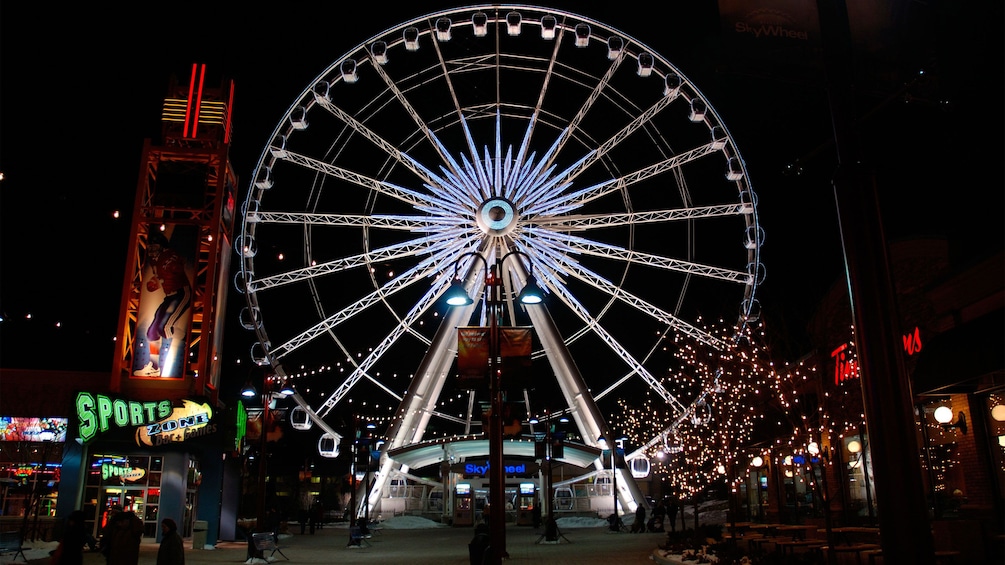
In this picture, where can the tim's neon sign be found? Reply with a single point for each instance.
(912, 342)
(845, 366)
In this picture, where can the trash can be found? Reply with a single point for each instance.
(199, 528)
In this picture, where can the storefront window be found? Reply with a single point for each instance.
(129, 482)
(31, 451)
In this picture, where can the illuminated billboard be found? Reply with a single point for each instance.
(152, 423)
(165, 307)
(13, 428)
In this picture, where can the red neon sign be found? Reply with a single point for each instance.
(912, 342)
(845, 366)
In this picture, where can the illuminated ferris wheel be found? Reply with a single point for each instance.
(497, 129)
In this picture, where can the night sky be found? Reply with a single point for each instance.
(82, 87)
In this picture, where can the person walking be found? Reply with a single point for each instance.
(314, 517)
(71, 548)
(124, 535)
(672, 512)
(659, 515)
(172, 548)
(303, 516)
(639, 525)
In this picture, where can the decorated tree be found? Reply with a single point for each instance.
(738, 405)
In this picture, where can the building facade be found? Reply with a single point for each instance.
(152, 435)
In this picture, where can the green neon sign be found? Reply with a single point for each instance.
(97, 413)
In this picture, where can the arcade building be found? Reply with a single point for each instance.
(151, 437)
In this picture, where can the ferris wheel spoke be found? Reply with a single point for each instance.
(585, 275)
(626, 132)
(582, 222)
(458, 109)
(578, 198)
(598, 329)
(417, 118)
(425, 268)
(446, 191)
(598, 249)
(573, 126)
(539, 183)
(381, 221)
(426, 302)
(421, 201)
(402, 250)
(424, 174)
(588, 104)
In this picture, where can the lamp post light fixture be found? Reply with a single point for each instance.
(457, 295)
(998, 412)
(944, 416)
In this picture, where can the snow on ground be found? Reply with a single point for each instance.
(32, 550)
(713, 512)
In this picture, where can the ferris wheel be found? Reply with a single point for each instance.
(516, 131)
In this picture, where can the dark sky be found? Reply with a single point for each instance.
(82, 87)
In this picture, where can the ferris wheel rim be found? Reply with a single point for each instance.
(305, 102)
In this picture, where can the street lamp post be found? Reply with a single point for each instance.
(458, 296)
(263, 473)
(614, 445)
(757, 462)
(269, 394)
(614, 486)
(368, 444)
(354, 540)
(553, 447)
(361, 455)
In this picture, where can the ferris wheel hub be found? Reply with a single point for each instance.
(496, 216)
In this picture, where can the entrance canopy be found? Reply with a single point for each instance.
(418, 455)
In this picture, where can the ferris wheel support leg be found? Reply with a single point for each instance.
(417, 405)
(587, 415)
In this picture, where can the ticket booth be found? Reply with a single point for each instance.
(464, 507)
(525, 504)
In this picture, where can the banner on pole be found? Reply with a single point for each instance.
(473, 355)
(515, 346)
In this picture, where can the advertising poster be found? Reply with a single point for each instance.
(13, 428)
(165, 309)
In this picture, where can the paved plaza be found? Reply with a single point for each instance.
(428, 546)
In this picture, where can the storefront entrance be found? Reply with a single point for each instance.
(131, 483)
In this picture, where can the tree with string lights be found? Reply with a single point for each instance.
(737, 400)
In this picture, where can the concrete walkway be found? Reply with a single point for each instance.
(431, 546)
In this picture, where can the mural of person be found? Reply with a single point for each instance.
(169, 287)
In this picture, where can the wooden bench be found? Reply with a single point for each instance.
(856, 549)
(10, 542)
(266, 541)
(947, 557)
